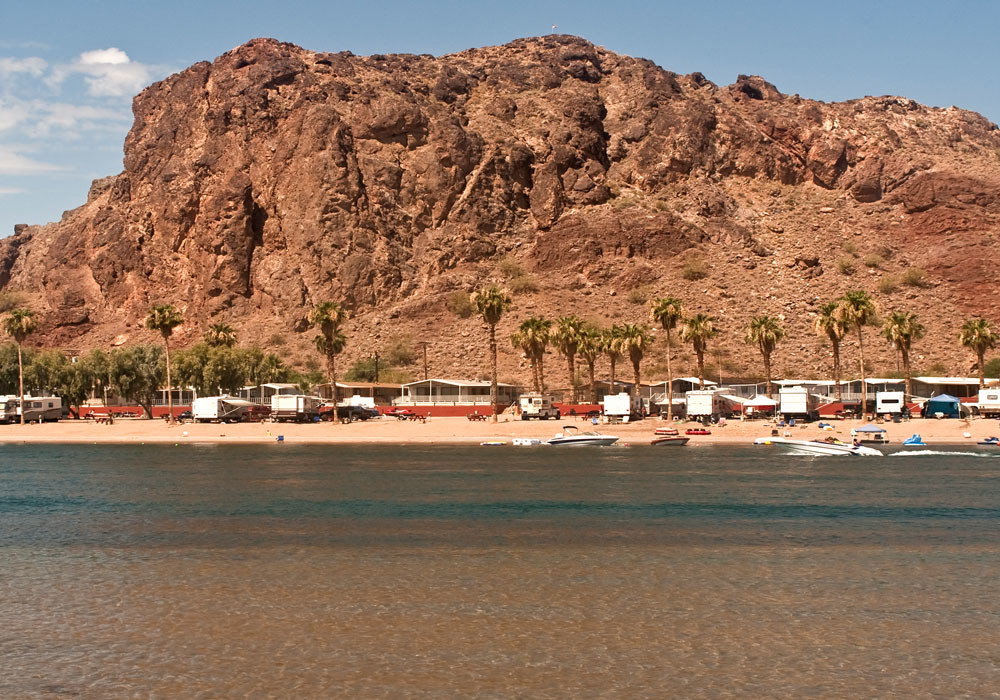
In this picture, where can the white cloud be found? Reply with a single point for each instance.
(32, 66)
(13, 163)
(107, 72)
(42, 119)
(11, 190)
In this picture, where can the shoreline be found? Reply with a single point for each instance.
(460, 431)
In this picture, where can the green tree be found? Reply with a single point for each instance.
(329, 316)
(164, 318)
(260, 367)
(857, 310)
(491, 302)
(221, 335)
(830, 324)
(189, 368)
(19, 324)
(635, 341)
(668, 313)
(590, 348)
(137, 373)
(978, 335)
(698, 330)
(97, 365)
(614, 350)
(566, 339)
(532, 337)
(901, 328)
(765, 332)
(50, 371)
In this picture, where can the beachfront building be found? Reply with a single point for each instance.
(383, 393)
(455, 392)
(960, 387)
(262, 394)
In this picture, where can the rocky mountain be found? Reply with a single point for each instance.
(275, 177)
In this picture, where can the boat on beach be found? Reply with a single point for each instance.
(818, 447)
(670, 440)
(914, 441)
(572, 435)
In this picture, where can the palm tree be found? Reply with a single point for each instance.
(978, 336)
(491, 302)
(668, 313)
(19, 324)
(857, 309)
(591, 347)
(532, 337)
(164, 318)
(220, 335)
(765, 332)
(698, 330)
(612, 338)
(328, 316)
(566, 337)
(635, 340)
(901, 329)
(829, 323)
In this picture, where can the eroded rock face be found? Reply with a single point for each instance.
(276, 177)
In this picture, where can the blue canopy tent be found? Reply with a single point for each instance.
(944, 404)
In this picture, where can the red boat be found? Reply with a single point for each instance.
(697, 431)
(666, 431)
(670, 440)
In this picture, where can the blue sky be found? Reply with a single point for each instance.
(68, 69)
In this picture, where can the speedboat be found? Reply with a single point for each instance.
(572, 435)
(670, 440)
(914, 441)
(819, 447)
(666, 431)
(994, 441)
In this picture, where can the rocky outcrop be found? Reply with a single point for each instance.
(275, 177)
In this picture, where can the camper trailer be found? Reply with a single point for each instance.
(889, 403)
(537, 406)
(706, 405)
(623, 405)
(36, 409)
(295, 407)
(989, 402)
(797, 402)
(218, 409)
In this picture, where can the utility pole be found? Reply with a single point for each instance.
(424, 343)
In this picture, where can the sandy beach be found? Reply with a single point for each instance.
(458, 431)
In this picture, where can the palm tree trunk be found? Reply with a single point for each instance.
(611, 389)
(767, 373)
(980, 354)
(170, 387)
(534, 376)
(906, 374)
(541, 373)
(701, 369)
(20, 381)
(670, 383)
(864, 384)
(635, 373)
(593, 381)
(493, 372)
(331, 361)
(836, 369)
(570, 364)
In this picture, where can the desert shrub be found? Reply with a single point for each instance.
(10, 300)
(845, 265)
(460, 304)
(915, 277)
(992, 368)
(888, 284)
(523, 284)
(399, 351)
(276, 340)
(509, 268)
(850, 248)
(873, 260)
(639, 295)
(694, 269)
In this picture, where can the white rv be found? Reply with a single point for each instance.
(798, 402)
(36, 408)
(622, 405)
(706, 404)
(295, 407)
(989, 402)
(889, 403)
(220, 409)
(537, 406)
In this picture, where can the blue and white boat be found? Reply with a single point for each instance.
(914, 441)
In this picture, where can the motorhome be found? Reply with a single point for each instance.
(537, 406)
(36, 409)
(989, 402)
(706, 404)
(295, 407)
(889, 403)
(798, 402)
(219, 409)
(622, 406)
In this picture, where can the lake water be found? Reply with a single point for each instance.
(302, 572)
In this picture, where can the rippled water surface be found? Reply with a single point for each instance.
(296, 572)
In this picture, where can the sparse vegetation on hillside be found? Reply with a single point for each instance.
(888, 284)
(460, 304)
(915, 277)
(846, 266)
(694, 269)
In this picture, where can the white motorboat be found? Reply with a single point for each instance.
(818, 447)
(572, 435)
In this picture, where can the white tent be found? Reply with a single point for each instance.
(760, 404)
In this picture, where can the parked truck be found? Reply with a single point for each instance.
(36, 409)
(798, 402)
(537, 406)
(295, 407)
(623, 405)
(218, 409)
(988, 402)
